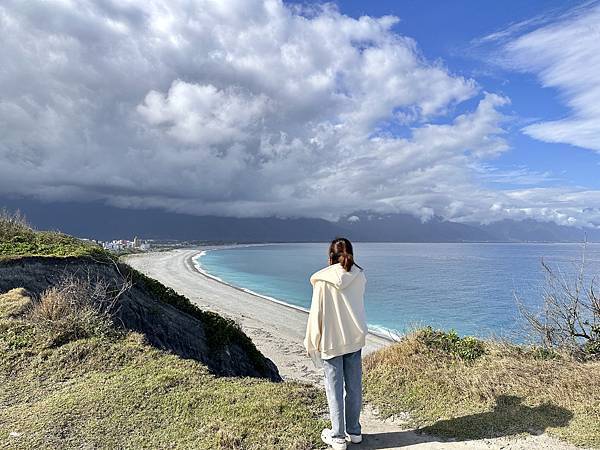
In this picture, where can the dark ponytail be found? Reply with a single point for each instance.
(340, 251)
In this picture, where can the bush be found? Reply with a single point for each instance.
(570, 318)
(14, 303)
(75, 308)
(12, 224)
(467, 348)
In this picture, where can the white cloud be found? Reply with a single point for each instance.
(565, 56)
(203, 114)
(244, 108)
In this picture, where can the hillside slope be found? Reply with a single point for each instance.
(112, 390)
(167, 320)
(466, 389)
(94, 354)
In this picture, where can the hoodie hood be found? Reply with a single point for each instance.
(336, 275)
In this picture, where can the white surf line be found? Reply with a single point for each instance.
(379, 331)
(196, 263)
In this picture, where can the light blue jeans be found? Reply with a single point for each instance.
(344, 372)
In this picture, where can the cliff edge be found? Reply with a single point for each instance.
(168, 320)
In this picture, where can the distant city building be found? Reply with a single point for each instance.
(118, 245)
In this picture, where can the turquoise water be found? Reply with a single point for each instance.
(467, 287)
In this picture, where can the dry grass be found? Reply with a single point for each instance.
(96, 392)
(15, 302)
(508, 390)
(76, 308)
(12, 224)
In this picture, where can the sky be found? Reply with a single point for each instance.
(472, 111)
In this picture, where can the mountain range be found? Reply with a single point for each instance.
(98, 221)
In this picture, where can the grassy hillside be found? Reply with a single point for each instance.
(469, 389)
(18, 238)
(106, 388)
(71, 379)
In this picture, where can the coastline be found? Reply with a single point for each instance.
(276, 328)
(388, 335)
(201, 271)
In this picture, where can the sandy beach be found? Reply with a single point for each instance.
(278, 331)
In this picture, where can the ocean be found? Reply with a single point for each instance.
(470, 288)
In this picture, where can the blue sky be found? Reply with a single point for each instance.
(450, 31)
(473, 111)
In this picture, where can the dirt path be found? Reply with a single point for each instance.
(278, 331)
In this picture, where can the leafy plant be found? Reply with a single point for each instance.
(467, 348)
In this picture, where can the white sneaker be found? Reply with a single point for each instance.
(335, 443)
(354, 438)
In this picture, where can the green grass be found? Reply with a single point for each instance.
(504, 390)
(18, 238)
(465, 348)
(115, 391)
(47, 243)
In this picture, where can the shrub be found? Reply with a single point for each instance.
(14, 303)
(76, 308)
(12, 224)
(467, 348)
(570, 317)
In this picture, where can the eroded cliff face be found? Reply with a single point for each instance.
(167, 320)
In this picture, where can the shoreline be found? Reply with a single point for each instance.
(191, 261)
(198, 268)
(277, 330)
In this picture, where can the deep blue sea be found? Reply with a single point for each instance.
(470, 288)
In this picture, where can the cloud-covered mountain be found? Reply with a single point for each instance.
(106, 223)
(406, 228)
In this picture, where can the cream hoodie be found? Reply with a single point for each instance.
(336, 322)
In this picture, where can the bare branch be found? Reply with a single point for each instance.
(570, 317)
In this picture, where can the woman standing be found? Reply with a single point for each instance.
(335, 335)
